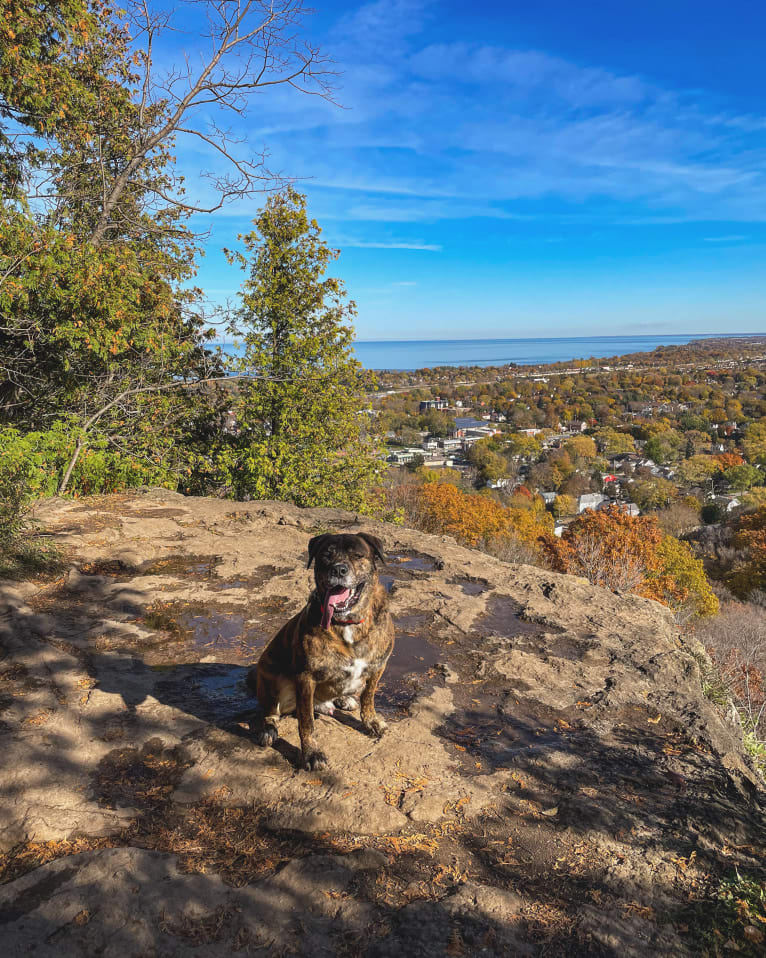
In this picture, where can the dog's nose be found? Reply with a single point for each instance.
(340, 569)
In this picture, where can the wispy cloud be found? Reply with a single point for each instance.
(391, 244)
(725, 239)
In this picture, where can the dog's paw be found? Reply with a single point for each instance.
(314, 761)
(268, 736)
(346, 703)
(325, 708)
(375, 726)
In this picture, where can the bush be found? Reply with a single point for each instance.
(16, 498)
(42, 457)
(626, 553)
(736, 642)
(711, 513)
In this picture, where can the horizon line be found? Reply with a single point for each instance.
(537, 339)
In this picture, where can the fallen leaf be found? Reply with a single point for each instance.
(550, 812)
(654, 721)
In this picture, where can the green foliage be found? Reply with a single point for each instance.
(696, 470)
(754, 444)
(38, 460)
(20, 550)
(564, 505)
(756, 749)
(693, 598)
(711, 513)
(744, 476)
(663, 447)
(581, 447)
(733, 919)
(490, 465)
(611, 442)
(521, 445)
(653, 493)
(97, 317)
(302, 437)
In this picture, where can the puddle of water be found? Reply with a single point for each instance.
(407, 565)
(215, 693)
(228, 635)
(183, 566)
(471, 586)
(158, 513)
(410, 669)
(502, 618)
(411, 561)
(256, 578)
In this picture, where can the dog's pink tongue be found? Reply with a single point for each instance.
(333, 598)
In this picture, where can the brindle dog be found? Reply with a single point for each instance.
(336, 647)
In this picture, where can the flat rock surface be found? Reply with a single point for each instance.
(553, 780)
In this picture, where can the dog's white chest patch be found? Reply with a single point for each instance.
(348, 634)
(354, 673)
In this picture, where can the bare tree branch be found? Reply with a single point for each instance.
(252, 47)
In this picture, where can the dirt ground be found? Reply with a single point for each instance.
(553, 781)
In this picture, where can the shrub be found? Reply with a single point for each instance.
(628, 553)
(736, 641)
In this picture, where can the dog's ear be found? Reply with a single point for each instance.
(375, 544)
(315, 545)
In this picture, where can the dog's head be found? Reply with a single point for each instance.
(345, 574)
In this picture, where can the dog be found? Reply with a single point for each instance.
(334, 649)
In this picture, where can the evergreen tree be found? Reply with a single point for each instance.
(301, 423)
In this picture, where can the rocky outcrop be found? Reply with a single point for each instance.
(552, 778)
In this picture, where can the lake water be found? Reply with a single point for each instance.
(421, 354)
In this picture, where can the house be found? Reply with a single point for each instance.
(502, 483)
(576, 426)
(727, 503)
(426, 405)
(560, 525)
(548, 497)
(591, 500)
(630, 508)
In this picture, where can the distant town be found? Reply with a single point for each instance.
(681, 425)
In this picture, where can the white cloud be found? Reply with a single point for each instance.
(433, 132)
(390, 244)
(724, 239)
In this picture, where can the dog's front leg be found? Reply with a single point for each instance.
(371, 721)
(313, 758)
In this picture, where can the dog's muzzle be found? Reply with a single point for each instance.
(339, 600)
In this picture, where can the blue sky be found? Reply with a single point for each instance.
(509, 169)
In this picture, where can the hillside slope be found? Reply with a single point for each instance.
(553, 780)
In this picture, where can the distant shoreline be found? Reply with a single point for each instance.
(415, 354)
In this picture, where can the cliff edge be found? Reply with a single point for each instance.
(553, 780)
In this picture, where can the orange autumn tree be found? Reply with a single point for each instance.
(475, 519)
(628, 553)
(750, 542)
(727, 460)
